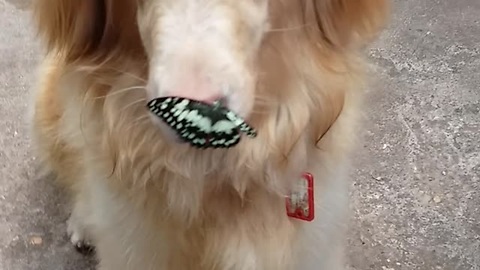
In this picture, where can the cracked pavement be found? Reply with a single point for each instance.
(415, 187)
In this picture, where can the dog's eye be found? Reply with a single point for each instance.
(202, 125)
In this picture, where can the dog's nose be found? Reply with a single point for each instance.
(195, 86)
(198, 96)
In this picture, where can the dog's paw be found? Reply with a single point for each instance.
(84, 248)
(78, 237)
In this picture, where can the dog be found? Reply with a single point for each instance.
(144, 199)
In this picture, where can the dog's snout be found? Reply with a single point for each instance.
(203, 54)
(195, 86)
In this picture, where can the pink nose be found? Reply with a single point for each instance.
(196, 87)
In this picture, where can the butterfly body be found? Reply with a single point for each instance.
(202, 125)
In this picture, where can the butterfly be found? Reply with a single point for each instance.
(201, 124)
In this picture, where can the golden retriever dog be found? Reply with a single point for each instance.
(145, 200)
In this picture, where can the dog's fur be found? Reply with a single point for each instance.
(147, 202)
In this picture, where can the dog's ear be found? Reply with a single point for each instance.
(86, 28)
(347, 23)
(74, 27)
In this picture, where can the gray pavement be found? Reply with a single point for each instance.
(415, 194)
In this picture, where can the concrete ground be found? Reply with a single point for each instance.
(415, 194)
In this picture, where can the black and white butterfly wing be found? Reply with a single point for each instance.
(164, 109)
(208, 133)
(176, 114)
(240, 124)
(224, 134)
(202, 125)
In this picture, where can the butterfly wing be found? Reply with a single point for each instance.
(200, 124)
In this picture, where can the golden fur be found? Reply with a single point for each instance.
(146, 203)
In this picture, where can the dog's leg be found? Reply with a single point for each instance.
(55, 152)
(123, 239)
(77, 228)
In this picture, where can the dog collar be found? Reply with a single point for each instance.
(300, 203)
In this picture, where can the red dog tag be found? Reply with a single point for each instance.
(300, 203)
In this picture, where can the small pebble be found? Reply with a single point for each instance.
(36, 240)
(426, 199)
(437, 199)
